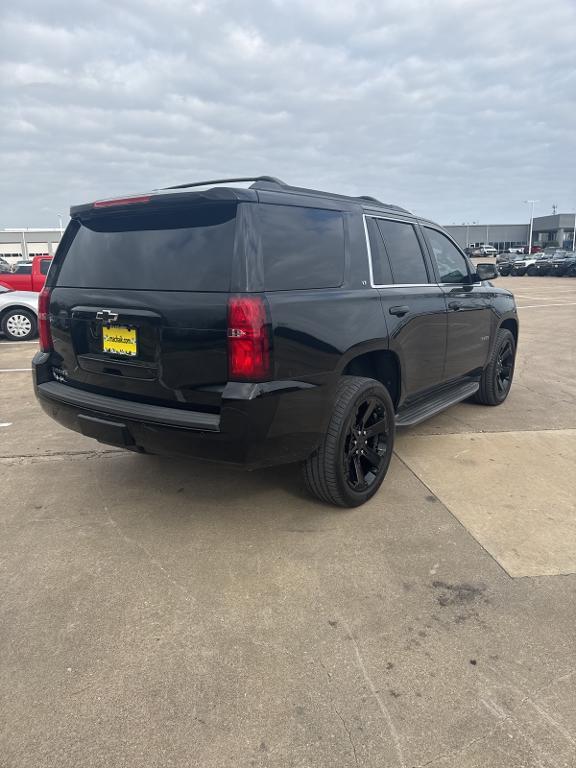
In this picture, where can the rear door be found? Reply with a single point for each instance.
(139, 303)
(469, 307)
(414, 306)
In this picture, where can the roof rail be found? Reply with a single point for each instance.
(271, 179)
(370, 198)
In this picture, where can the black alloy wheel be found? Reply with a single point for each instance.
(366, 444)
(505, 366)
(352, 460)
(497, 377)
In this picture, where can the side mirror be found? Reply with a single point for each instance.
(487, 271)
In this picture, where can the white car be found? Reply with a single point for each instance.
(488, 250)
(18, 314)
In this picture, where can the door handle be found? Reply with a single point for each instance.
(455, 305)
(403, 309)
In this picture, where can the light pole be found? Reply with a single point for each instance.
(574, 235)
(468, 223)
(531, 203)
(60, 222)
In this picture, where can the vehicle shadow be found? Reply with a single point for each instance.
(178, 491)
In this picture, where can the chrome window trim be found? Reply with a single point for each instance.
(366, 216)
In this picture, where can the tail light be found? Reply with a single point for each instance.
(248, 339)
(44, 320)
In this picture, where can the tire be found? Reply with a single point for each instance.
(349, 466)
(497, 378)
(19, 324)
(532, 271)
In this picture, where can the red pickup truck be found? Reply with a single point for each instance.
(28, 277)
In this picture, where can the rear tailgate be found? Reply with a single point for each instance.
(139, 304)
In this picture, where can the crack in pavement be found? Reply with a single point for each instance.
(335, 709)
(383, 708)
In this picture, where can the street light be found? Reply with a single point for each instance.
(531, 204)
(60, 222)
(574, 235)
(468, 231)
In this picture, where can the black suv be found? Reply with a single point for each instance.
(266, 324)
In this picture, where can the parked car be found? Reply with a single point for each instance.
(504, 268)
(18, 314)
(540, 266)
(570, 270)
(534, 249)
(561, 263)
(28, 275)
(267, 325)
(487, 250)
(520, 266)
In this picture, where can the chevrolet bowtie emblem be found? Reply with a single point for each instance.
(106, 315)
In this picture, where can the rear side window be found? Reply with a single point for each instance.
(381, 271)
(185, 250)
(44, 266)
(23, 269)
(404, 252)
(301, 247)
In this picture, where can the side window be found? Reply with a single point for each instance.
(301, 247)
(44, 266)
(24, 269)
(381, 271)
(452, 266)
(404, 252)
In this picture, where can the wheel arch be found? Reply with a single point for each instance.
(5, 310)
(511, 324)
(382, 365)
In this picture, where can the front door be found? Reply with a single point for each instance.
(469, 308)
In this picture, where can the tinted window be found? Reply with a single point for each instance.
(380, 265)
(23, 269)
(44, 266)
(451, 263)
(301, 247)
(404, 252)
(188, 250)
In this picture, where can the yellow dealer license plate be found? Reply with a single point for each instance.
(119, 340)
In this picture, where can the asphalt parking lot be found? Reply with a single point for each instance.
(160, 612)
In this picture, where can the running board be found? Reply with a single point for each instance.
(423, 410)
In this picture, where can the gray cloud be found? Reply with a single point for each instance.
(458, 109)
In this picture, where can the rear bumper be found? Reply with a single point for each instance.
(258, 424)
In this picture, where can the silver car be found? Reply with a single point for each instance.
(18, 314)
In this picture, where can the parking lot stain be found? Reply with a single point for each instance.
(459, 594)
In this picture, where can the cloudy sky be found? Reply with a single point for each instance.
(457, 109)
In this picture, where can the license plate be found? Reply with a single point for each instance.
(119, 340)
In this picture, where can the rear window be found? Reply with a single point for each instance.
(301, 247)
(188, 250)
